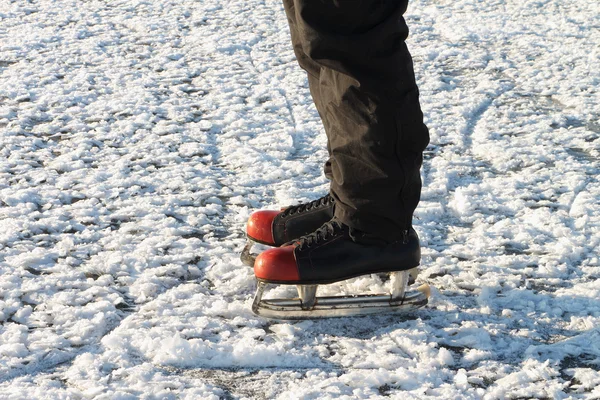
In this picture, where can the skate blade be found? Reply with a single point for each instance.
(248, 258)
(339, 306)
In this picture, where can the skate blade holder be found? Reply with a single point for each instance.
(308, 306)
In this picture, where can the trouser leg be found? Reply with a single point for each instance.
(312, 68)
(362, 81)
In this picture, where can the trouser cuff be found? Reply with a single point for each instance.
(384, 228)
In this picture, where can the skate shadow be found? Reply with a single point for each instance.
(507, 329)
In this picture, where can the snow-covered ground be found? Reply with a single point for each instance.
(137, 136)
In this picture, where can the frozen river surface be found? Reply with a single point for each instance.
(137, 136)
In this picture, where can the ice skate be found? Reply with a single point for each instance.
(334, 253)
(274, 228)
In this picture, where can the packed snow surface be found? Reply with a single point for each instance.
(136, 137)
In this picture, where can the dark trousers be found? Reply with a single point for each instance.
(362, 82)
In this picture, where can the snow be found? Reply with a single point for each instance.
(136, 137)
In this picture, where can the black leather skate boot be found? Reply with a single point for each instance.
(336, 252)
(274, 228)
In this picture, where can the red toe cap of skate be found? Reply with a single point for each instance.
(260, 226)
(277, 265)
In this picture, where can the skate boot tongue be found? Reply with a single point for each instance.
(327, 231)
(324, 201)
(334, 228)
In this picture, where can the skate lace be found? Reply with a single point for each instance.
(300, 208)
(327, 231)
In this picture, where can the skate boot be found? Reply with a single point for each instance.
(274, 228)
(333, 253)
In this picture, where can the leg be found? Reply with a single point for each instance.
(362, 80)
(312, 68)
